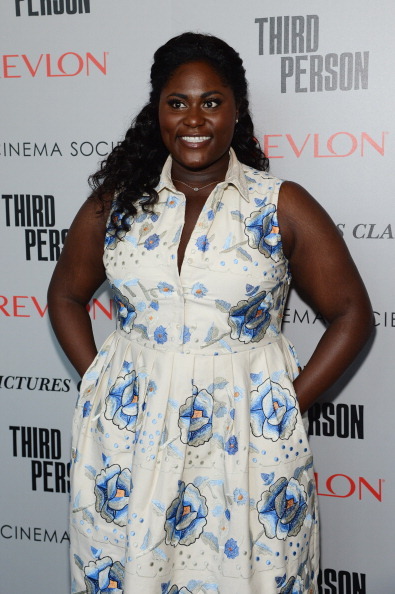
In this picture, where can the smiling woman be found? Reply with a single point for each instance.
(191, 467)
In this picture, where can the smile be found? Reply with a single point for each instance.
(195, 139)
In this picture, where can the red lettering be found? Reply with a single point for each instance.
(377, 494)
(354, 144)
(2, 306)
(17, 306)
(267, 146)
(33, 71)
(80, 64)
(6, 66)
(373, 143)
(38, 308)
(293, 145)
(101, 67)
(107, 312)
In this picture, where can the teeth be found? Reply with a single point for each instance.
(195, 138)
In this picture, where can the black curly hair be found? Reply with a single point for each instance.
(133, 167)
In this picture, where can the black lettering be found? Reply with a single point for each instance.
(47, 474)
(314, 414)
(357, 421)
(2, 531)
(312, 33)
(316, 67)
(26, 442)
(43, 433)
(29, 386)
(54, 244)
(24, 532)
(359, 583)
(36, 473)
(331, 62)
(66, 385)
(60, 477)
(44, 384)
(327, 412)
(297, 31)
(344, 582)
(41, 242)
(330, 580)
(7, 198)
(30, 242)
(342, 420)
(31, 12)
(47, 536)
(18, 7)
(56, 447)
(14, 439)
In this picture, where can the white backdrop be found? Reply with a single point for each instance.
(72, 75)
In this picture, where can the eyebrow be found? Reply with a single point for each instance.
(203, 95)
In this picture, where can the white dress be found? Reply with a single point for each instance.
(191, 469)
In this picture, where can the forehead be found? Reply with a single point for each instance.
(194, 76)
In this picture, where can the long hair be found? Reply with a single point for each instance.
(133, 168)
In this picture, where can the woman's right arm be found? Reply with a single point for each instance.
(77, 275)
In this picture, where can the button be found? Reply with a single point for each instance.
(189, 260)
(193, 251)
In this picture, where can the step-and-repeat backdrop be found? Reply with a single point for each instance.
(72, 75)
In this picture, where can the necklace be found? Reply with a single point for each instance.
(194, 188)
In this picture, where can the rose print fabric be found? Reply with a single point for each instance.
(191, 467)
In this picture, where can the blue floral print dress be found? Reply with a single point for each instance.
(192, 472)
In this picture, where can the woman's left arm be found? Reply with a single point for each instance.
(326, 277)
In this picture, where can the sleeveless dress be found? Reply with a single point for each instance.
(191, 468)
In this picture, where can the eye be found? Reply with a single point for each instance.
(210, 103)
(176, 104)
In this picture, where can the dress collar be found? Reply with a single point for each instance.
(235, 176)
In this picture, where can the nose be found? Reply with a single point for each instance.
(194, 117)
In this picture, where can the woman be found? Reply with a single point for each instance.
(192, 471)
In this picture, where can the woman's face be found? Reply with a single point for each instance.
(197, 115)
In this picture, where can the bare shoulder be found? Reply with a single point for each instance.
(93, 213)
(303, 220)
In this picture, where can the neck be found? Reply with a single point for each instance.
(216, 172)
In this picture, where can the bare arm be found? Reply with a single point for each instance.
(326, 277)
(77, 275)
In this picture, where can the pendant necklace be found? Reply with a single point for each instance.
(194, 188)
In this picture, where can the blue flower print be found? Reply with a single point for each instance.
(186, 335)
(199, 290)
(151, 388)
(231, 548)
(261, 228)
(282, 508)
(126, 312)
(293, 586)
(202, 243)
(250, 319)
(112, 490)
(232, 445)
(152, 242)
(86, 409)
(186, 516)
(165, 288)
(196, 418)
(104, 576)
(240, 496)
(273, 411)
(113, 232)
(166, 589)
(172, 201)
(122, 402)
(160, 335)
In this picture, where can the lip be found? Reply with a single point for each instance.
(194, 140)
